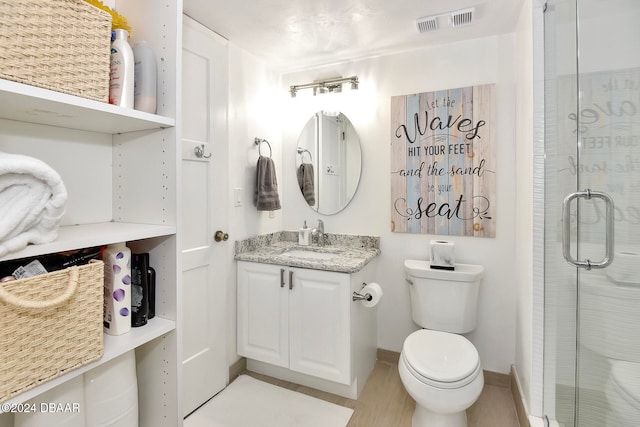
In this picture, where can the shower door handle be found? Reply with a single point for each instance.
(566, 229)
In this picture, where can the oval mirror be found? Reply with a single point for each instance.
(328, 162)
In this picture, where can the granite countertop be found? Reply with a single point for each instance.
(352, 252)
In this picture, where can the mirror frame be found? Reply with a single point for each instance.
(308, 148)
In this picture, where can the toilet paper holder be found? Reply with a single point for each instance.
(356, 296)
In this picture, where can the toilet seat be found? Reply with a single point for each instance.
(441, 359)
(625, 377)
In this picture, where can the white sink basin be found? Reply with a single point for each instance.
(299, 253)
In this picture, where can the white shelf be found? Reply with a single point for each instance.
(139, 155)
(36, 105)
(114, 346)
(89, 235)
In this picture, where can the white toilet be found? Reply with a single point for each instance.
(440, 369)
(623, 394)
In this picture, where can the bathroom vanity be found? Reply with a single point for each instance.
(297, 319)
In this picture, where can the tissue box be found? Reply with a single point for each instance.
(442, 255)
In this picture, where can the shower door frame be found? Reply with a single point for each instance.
(585, 384)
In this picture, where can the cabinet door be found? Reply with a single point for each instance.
(263, 312)
(319, 324)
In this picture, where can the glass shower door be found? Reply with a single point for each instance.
(592, 147)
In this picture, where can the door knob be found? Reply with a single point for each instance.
(220, 236)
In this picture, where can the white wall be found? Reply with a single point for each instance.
(254, 111)
(524, 161)
(474, 62)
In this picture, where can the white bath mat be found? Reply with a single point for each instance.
(248, 402)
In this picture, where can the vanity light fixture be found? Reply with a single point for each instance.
(326, 86)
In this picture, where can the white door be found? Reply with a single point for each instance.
(204, 212)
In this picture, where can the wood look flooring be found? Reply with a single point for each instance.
(385, 403)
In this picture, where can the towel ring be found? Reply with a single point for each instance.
(259, 141)
(302, 151)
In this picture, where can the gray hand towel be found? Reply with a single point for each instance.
(305, 181)
(266, 197)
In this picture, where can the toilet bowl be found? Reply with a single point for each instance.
(623, 394)
(442, 373)
(607, 310)
(440, 369)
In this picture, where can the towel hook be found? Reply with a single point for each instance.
(259, 141)
(199, 152)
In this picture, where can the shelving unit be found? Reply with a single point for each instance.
(138, 204)
(90, 235)
(113, 347)
(35, 105)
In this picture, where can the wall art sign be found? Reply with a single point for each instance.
(443, 172)
(607, 124)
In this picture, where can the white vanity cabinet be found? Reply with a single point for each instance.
(319, 324)
(263, 313)
(121, 169)
(304, 321)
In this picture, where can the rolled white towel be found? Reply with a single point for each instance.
(32, 200)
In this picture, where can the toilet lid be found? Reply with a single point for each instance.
(625, 375)
(440, 356)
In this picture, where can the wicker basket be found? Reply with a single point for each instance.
(62, 45)
(49, 325)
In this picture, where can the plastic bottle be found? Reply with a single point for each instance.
(151, 278)
(117, 289)
(303, 235)
(146, 76)
(121, 76)
(140, 289)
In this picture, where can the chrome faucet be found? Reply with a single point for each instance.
(319, 231)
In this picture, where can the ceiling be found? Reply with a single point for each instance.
(297, 34)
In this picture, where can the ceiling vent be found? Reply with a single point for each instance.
(457, 19)
(427, 24)
(461, 18)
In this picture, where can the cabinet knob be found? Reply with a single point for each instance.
(220, 236)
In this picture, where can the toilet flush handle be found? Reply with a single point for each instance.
(409, 280)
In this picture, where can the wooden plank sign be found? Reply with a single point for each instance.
(443, 171)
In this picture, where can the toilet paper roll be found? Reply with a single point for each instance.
(111, 393)
(61, 406)
(375, 291)
(625, 268)
(442, 255)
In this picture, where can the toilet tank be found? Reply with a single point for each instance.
(444, 300)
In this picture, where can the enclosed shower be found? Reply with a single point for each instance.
(592, 213)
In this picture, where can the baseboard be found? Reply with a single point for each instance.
(497, 379)
(237, 368)
(388, 356)
(516, 392)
